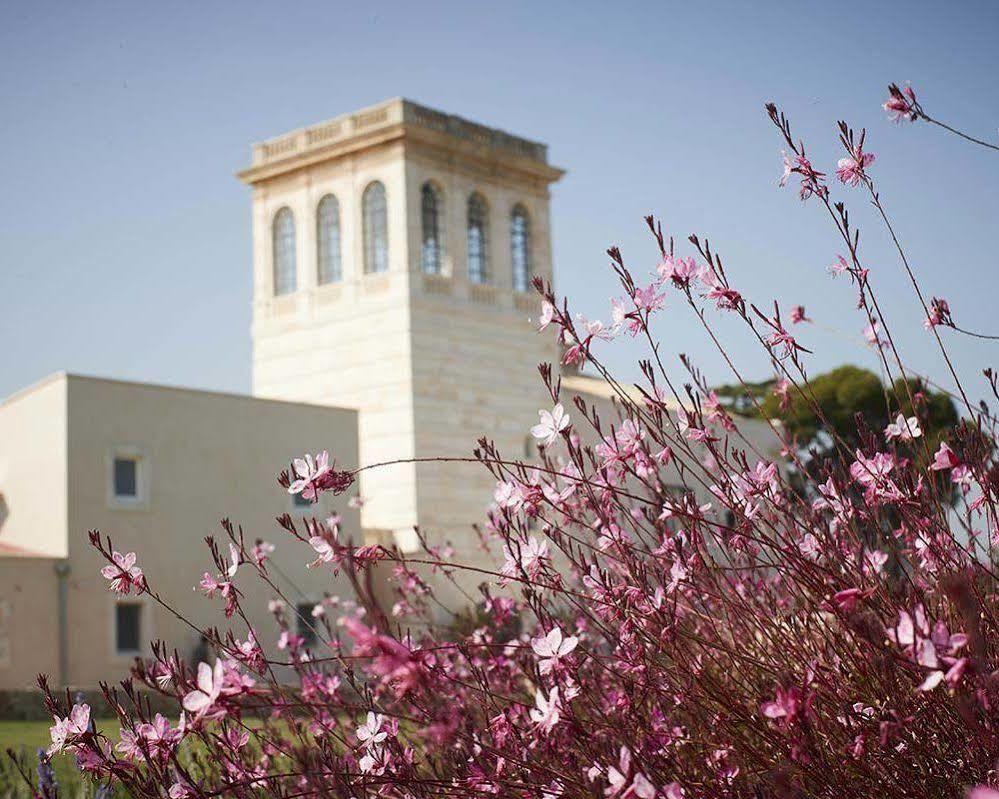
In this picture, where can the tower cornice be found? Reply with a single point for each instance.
(490, 149)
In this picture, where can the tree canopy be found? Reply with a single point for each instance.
(833, 401)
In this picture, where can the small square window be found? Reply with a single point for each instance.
(127, 627)
(126, 477)
(306, 623)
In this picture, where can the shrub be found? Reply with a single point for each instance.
(835, 639)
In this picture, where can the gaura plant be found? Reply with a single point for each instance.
(825, 626)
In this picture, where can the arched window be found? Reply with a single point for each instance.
(431, 254)
(478, 239)
(375, 221)
(328, 264)
(283, 235)
(520, 248)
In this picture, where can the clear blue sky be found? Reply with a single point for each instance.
(124, 236)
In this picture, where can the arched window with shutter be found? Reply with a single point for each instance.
(478, 239)
(520, 248)
(329, 268)
(283, 236)
(375, 221)
(432, 251)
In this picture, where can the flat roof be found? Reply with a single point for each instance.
(70, 376)
(598, 387)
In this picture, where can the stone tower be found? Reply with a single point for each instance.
(392, 255)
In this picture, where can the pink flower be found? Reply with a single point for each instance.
(875, 560)
(124, 574)
(261, 551)
(159, 735)
(872, 335)
(288, 640)
(725, 297)
(324, 549)
(210, 681)
(939, 314)
(782, 390)
(64, 729)
(798, 315)
(547, 315)
(839, 266)
(310, 474)
(680, 270)
(901, 105)
(904, 429)
(782, 339)
(873, 470)
(848, 599)
(851, 170)
(551, 424)
(785, 706)
(235, 559)
(551, 648)
(649, 299)
(812, 181)
(530, 558)
(370, 733)
(961, 475)
(547, 710)
(785, 175)
(944, 458)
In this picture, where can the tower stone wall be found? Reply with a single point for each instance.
(431, 360)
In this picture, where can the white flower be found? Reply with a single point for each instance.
(370, 733)
(875, 560)
(233, 561)
(904, 429)
(505, 494)
(531, 558)
(548, 711)
(373, 761)
(809, 546)
(208, 690)
(551, 647)
(547, 314)
(324, 549)
(308, 472)
(642, 788)
(551, 425)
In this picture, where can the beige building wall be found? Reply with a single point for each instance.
(202, 457)
(33, 476)
(29, 633)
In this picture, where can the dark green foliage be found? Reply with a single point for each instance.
(833, 401)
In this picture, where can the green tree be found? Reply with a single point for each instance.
(834, 403)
